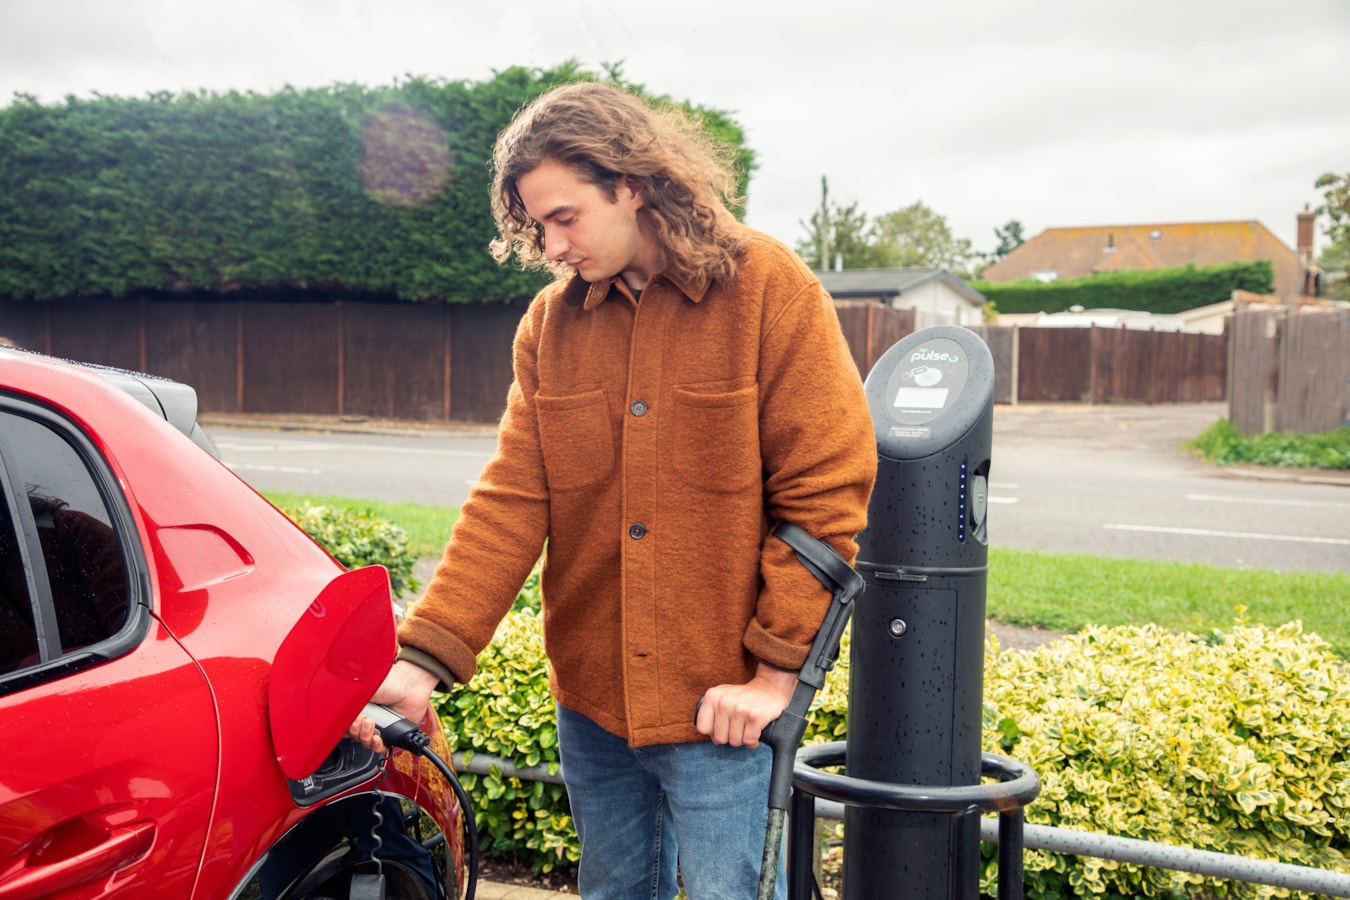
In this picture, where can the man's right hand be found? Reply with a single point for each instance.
(407, 691)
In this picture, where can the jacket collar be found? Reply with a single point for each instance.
(599, 291)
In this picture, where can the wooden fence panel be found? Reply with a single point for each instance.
(393, 360)
(1252, 369)
(97, 331)
(1113, 368)
(453, 362)
(1054, 365)
(871, 329)
(1165, 363)
(1134, 366)
(1175, 357)
(479, 365)
(1002, 344)
(853, 321)
(888, 326)
(1313, 392)
(1213, 384)
(197, 342)
(24, 323)
(290, 358)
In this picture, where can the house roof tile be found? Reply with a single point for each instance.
(1076, 252)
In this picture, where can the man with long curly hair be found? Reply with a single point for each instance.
(679, 388)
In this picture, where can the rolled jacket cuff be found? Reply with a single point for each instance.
(423, 660)
(774, 650)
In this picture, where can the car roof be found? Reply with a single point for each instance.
(173, 401)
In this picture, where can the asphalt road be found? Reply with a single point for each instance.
(1117, 481)
(1110, 481)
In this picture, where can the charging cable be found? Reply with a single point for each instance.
(397, 731)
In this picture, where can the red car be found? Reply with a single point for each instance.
(178, 667)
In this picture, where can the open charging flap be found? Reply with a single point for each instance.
(328, 666)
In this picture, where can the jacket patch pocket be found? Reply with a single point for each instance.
(576, 439)
(717, 439)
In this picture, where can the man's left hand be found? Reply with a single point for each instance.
(735, 714)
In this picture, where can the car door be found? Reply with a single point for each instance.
(108, 772)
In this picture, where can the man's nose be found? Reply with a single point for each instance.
(555, 245)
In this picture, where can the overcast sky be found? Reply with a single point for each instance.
(1051, 112)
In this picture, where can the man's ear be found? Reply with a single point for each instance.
(635, 188)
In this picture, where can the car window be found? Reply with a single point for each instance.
(64, 575)
(18, 639)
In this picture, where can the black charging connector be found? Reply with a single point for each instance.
(397, 731)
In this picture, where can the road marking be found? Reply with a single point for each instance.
(1004, 500)
(1319, 504)
(293, 470)
(251, 447)
(1202, 532)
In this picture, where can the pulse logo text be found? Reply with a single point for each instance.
(925, 355)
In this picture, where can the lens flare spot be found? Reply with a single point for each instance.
(406, 157)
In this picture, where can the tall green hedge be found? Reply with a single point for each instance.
(1159, 291)
(347, 188)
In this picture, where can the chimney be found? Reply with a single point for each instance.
(1306, 221)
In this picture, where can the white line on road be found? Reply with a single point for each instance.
(1003, 500)
(250, 447)
(1202, 532)
(294, 470)
(1217, 498)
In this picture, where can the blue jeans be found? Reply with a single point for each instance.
(642, 813)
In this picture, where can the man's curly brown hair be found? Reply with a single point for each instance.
(686, 179)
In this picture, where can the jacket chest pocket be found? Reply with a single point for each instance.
(576, 439)
(717, 439)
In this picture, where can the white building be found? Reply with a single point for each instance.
(937, 296)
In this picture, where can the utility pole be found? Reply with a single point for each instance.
(824, 225)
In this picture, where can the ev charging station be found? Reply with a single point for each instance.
(917, 665)
(913, 762)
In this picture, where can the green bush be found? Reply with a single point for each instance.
(507, 711)
(1236, 743)
(356, 538)
(377, 191)
(1160, 291)
(1223, 445)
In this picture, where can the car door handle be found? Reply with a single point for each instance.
(40, 876)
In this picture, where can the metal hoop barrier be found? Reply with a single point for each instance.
(1015, 787)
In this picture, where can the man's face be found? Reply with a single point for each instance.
(583, 228)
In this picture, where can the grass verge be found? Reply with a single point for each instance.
(428, 527)
(1067, 592)
(1223, 445)
(1055, 591)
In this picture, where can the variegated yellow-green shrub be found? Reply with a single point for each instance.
(358, 538)
(1239, 743)
(506, 711)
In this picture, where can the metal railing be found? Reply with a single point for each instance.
(1058, 840)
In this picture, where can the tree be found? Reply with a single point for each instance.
(1335, 257)
(1009, 239)
(918, 237)
(851, 239)
(913, 237)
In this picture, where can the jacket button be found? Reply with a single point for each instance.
(638, 408)
(637, 531)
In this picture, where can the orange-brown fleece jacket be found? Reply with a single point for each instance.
(652, 445)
